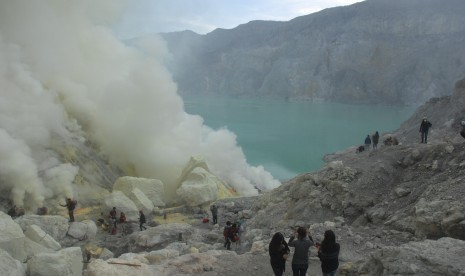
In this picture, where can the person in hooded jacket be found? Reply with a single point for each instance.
(279, 251)
(328, 252)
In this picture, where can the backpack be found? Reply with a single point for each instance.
(226, 232)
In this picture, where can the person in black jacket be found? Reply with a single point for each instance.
(141, 220)
(328, 252)
(279, 251)
(424, 127)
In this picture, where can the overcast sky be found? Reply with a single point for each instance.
(203, 16)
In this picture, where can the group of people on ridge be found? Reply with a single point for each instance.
(328, 252)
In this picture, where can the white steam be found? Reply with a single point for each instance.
(57, 58)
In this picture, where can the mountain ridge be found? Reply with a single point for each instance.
(401, 53)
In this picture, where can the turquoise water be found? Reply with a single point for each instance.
(289, 138)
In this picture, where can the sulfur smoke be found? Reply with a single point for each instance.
(61, 61)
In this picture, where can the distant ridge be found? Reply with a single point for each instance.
(397, 52)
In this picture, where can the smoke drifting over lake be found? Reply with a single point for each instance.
(63, 70)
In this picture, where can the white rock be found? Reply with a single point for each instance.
(12, 237)
(258, 247)
(162, 234)
(36, 234)
(86, 229)
(55, 226)
(117, 267)
(154, 189)
(161, 255)
(200, 187)
(66, 262)
(142, 202)
(10, 266)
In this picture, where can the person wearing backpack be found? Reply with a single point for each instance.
(70, 205)
(227, 235)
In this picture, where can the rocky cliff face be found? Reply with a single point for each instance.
(376, 51)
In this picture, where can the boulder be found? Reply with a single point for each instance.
(32, 248)
(55, 226)
(66, 262)
(86, 229)
(154, 189)
(161, 235)
(199, 187)
(36, 234)
(123, 204)
(161, 255)
(117, 267)
(12, 237)
(10, 266)
(142, 202)
(442, 257)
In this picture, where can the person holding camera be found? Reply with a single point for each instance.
(302, 245)
(279, 252)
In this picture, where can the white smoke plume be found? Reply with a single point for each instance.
(59, 58)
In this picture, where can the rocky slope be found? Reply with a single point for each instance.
(397, 210)
(376, 51)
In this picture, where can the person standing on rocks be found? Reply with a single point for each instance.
(328, 252)
(141, 220)
(113, 220)
(227, 235)
(367, 142)
(424, 127)
(375, 139)
(70, 205)
(301, 244)
(279, 252)
(214, 211)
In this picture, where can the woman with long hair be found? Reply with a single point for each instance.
(302, 245)
(279, 250)
(328, 253)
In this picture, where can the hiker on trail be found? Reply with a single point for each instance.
(141, 220)
(214, 211)
(424, 127)
(462, 132)
(328, 252)
(302, 245)
(367, 142)
(279, 252)
(71, 205)
(227, 235)
(375, 139)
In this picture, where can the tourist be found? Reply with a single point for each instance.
(122, 221)
(301, 244)
(424, 127)
(227, 235)
(367, 142)
(279, 252)
(214, 211)
(375, 139)
(141, 220)
(328, 252)
(70, 205)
